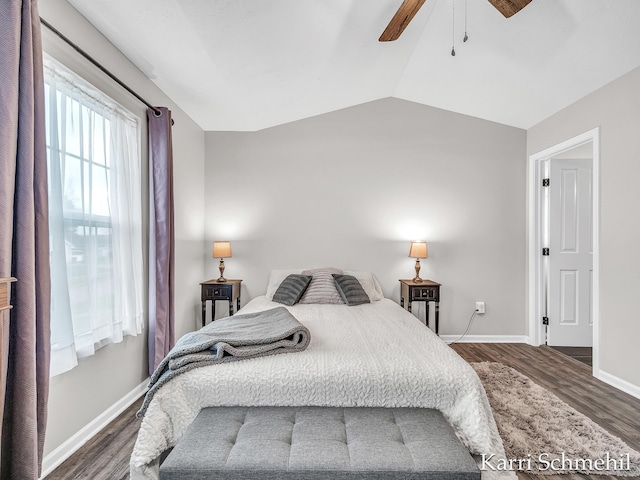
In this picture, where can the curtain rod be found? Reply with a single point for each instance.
(157, 112)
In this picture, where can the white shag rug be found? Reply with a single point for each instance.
(544, 435)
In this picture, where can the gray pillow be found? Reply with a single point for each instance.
(350, 290)
(322, 288)
(291, 289)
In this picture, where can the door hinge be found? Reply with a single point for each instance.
(545, 320)
(545, 252)
(545, 182)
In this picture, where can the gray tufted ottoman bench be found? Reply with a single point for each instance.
(319, 443)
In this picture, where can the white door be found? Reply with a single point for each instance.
(570, 253)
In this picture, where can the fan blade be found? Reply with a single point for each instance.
(400, 20)
(509, 7)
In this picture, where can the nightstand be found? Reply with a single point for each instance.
(213, 290)
(425, 291)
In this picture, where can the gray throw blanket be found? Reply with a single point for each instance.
(249, 335)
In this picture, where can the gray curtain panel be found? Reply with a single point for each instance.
(24, 238)
(161, 238)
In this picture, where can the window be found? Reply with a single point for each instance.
(94, 218)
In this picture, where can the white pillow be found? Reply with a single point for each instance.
(276, 278)
(369, 283)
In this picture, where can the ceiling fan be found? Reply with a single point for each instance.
(409, 8)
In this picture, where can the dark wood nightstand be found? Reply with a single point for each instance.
(425, 291)
(213, 290)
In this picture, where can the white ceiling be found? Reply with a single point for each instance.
(253, 64)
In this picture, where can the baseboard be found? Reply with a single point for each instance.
(69, 447)
(485, 338)
(620, 384)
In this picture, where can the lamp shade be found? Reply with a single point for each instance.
(221, 250)
(418, 250)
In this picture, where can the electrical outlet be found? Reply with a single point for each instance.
(480, 307)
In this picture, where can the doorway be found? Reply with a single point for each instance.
(563, 244)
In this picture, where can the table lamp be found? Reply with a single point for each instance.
(418, 250)
(221, 250)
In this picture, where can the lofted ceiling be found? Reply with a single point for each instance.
(251, 64)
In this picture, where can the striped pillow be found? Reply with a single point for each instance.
(291, 289)
(322, 288)
(350, 290)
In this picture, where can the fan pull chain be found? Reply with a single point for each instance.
(466, 37)
(453, 28)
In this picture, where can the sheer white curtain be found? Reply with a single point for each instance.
(95, 224)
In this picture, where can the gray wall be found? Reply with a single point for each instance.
(352, 188)
(79, 396)
(615, 108)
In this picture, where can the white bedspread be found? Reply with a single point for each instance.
(369, 355)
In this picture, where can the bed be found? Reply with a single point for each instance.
(370, 355)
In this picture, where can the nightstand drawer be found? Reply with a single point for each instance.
(211, 292)
(424, 293)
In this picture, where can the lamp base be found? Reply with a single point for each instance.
(221, 268)
(417, 278)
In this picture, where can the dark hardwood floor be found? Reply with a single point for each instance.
(583, 354)
(106, 457)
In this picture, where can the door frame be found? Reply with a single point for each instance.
(536, 169)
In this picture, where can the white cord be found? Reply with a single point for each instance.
(473, 315)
